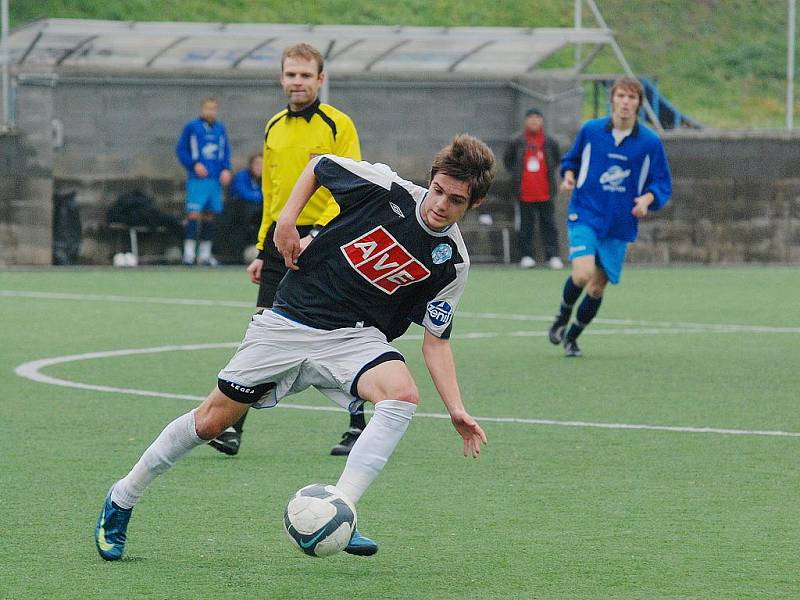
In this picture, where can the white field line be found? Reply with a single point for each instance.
(652, 327)
(31, 370)
(129, 299)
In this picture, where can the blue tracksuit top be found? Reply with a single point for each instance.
(608, 177)
(246, 188)
(205, 143)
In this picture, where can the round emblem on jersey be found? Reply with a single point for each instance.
(440, 312)
(573, 216)
(442, 253)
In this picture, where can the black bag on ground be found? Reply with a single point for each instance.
(137, 208)
(66, 229)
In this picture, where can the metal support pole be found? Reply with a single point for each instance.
(790, 65)
(4, 58)
(325, 90)
(625, 66)
(578, 25)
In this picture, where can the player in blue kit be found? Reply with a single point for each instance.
(205, 152)
(394, 255)
(617, 171)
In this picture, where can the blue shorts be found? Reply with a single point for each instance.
(203, 195)
(609, 253)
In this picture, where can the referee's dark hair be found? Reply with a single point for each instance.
(467, 159)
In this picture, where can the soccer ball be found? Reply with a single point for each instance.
(319, 520)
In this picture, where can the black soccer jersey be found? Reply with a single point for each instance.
(377, 263)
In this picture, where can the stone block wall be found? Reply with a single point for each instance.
(107, 134)
(26, 182)
(736, 194)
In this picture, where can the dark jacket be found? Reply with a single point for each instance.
(515, 153)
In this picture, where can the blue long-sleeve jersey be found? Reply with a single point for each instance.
(245, 187)
(608, 177)
(206, 143)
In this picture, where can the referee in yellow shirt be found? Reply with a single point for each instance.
(304, 129)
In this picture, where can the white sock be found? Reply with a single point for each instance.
(204, 252)
(189, 250)
(374, 446)
(173, 443)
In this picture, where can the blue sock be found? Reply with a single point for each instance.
(586, 312)
(569, 297)
(191, 230)
(208, 231)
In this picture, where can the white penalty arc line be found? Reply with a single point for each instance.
(636, 327)
(32, 370)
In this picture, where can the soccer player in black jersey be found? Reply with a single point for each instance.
(394, 255)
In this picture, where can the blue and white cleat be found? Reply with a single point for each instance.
(360, 545)
(109, 534)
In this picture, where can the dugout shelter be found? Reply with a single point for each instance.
(96, 107)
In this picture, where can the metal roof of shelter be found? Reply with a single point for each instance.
(170, 46)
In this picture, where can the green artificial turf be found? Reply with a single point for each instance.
(555, 507)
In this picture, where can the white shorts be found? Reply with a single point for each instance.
(293, 357)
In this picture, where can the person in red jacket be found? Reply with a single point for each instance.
(533, 158)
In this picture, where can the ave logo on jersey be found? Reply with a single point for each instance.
(383, 261)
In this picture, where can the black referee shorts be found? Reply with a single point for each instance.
(274, 268)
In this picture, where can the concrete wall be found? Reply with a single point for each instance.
(736, 200)
(26, 181)
(737, 197)
(111, 134)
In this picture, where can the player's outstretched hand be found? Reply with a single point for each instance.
(200, 170)
(472, 433)
(287, 241)
(641, 205)
(639, 209)
(254, 270)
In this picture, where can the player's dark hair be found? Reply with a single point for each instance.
(629, 84)
(304, 51)
(467, 159)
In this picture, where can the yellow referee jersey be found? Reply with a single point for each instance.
(291, 139)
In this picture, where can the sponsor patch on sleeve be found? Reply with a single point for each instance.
(440, 312)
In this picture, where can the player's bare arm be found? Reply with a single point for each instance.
(441, 365)
(287, 239)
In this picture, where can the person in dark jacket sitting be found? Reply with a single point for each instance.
(244, 207)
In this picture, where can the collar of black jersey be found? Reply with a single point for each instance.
(306, 113)
(634, 131)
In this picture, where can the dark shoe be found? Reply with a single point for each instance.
(360, 545)
(348, 439)
(227, 442)
(111, 529)
(556, 333)
(571, 348)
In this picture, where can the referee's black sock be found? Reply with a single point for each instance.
(357, 421)
(239, 425)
